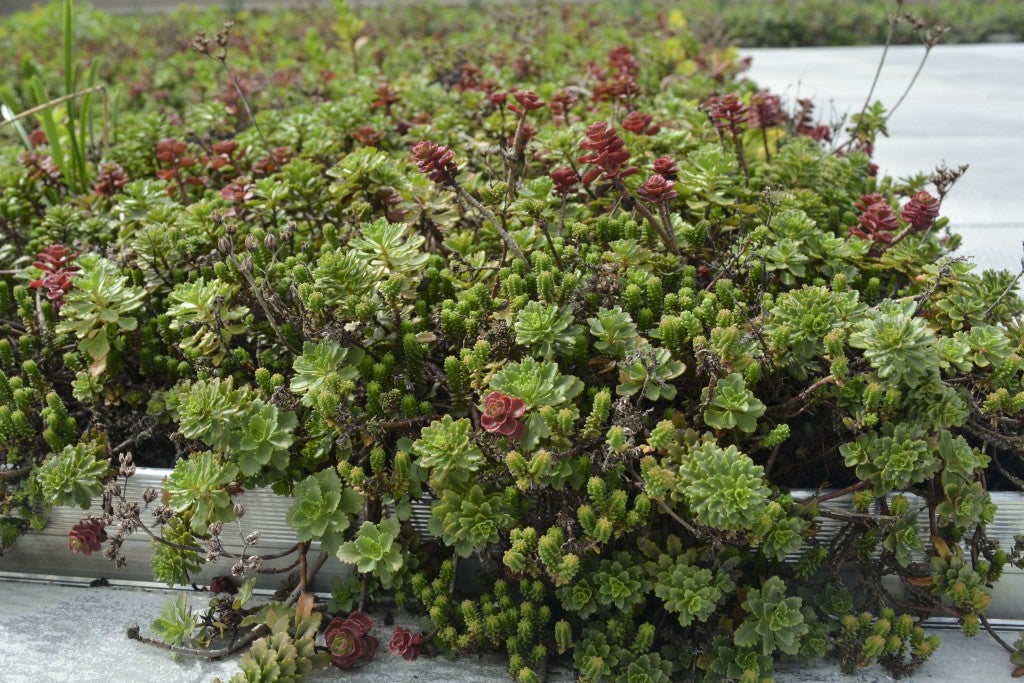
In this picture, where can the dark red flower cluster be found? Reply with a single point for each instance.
(349, 640)
(368, 136)
(436, 161)
(765, 110)
(921, 211)
(223, 154)
(278, 157)
(622, 83)
(565, 178)
(172, 151)
(501, 415)
(53, 261)
(87, 536)
(40, 166)
(223, 584)
(727, 112)
(876, 222)
(607, 152)
(405, 644)
(560, 104)
(37, 137)
(657, 189)
(804, 124)
(238, 192)
(665, 166)
(640, 124)
(386, 97)
(527, 101)
(110, 178)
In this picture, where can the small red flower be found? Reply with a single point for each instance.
(565, 178)
(435, 161)
(501, 415)
(87, 536)
(528, 101)
(405, 644)
(349, 640)
(921, 211)
(657, 190)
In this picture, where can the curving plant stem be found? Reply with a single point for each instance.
(134, 633)
(489, 215)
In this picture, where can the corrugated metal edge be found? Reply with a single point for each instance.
(45, 553)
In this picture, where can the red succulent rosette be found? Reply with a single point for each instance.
(877, 222)
(528, 101)
(657, 190)
(405, 644)
(727, 112)
(607, 152)
(765, 110)
(223, 584)
(87, 536)
(501, 415)
(666, 167)
(110, 178)
(640, 124)
(565, 178)
(349, 640)
(435, 161)
(921, 211)
(56, 280)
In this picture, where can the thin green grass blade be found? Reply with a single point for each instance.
(48, 123)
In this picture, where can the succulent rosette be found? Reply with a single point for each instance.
(349, 640)
(87, 536)
(404, 643)
(501, 415)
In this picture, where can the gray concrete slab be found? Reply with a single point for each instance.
(966, 107)
(64, 634)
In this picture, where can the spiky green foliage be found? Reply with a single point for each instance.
(287, 654)
(469, 522)
(733, 405)
(99, 310)
(200, 310)
(263, 437)
(74, 476)
(723, 487)
(197, 485)
(375, 551)
(546, 329)
(323, 509)
(323, 367)
(585, 379)
(772, 621)
(445, 447)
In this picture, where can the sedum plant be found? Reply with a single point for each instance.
(605, 309)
